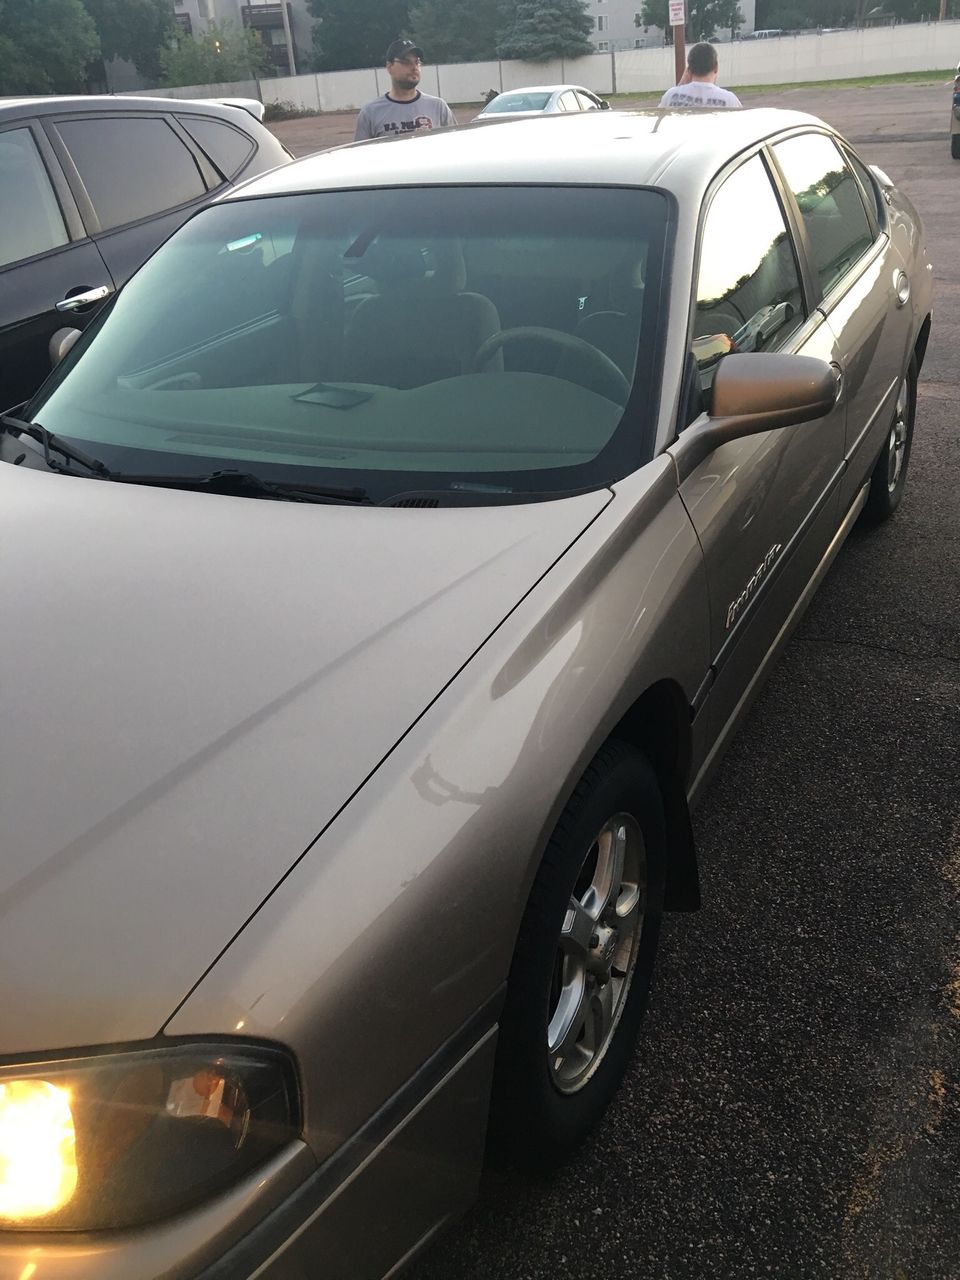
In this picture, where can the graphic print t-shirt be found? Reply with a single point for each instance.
(699, 93)
(385, 118)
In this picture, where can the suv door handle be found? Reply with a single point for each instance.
(77, 301)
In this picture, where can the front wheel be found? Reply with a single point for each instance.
(583, 962)
(890, 473)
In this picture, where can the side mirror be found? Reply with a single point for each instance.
(604, 105)
(754, 393)
(60, 344)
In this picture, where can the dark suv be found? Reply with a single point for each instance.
(89, 187)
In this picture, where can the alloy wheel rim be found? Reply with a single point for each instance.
(597, 952)
(896, 445)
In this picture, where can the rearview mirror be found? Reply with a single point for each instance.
(753, 393)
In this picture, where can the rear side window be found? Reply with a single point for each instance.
(869, 184)
(228, 148)
(831, 205)
(30, 217)
(131, 168)
(748, 291)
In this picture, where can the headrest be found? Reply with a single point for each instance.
(626, 285)
(436, 267)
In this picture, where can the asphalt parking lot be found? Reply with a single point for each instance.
(792, 1110)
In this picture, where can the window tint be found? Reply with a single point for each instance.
(131, 168)
(830, 204)
(227, 147)
(29, 214)
(748, 292)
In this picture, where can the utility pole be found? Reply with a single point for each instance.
(289, 37)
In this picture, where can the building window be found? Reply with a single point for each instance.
(603, 22)
(603, 46)
(638, 44)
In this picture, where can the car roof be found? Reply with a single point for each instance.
(541, 88)
(679, 149)
(18, 108)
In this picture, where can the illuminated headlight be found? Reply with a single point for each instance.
(125, 1138)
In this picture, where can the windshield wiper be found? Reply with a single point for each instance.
(245, 484)
(49, 441)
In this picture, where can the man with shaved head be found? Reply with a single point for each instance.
(698, 86)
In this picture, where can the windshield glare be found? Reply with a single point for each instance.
(397, 339)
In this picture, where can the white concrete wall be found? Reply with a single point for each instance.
(795, 59)
(235, 89)
(790, 59)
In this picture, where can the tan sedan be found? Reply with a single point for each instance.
(386, 570)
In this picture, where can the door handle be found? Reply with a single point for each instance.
(77, 301)
(838, 375)
(901, 286)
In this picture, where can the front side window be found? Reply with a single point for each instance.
(30, 218)
(568, 102)
(830, 203)
(749, 296)
(472, 339)
(131, 168)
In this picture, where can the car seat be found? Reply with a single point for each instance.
(422, 325)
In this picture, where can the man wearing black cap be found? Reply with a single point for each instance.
(404, 109)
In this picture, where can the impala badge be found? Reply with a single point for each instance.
(761, 571)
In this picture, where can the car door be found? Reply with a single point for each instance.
(137, 178)
(764, 507)
(863, 287)
(46, 259)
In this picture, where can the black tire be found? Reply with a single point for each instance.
(889, 475)
(539, 1114)
(955, 145)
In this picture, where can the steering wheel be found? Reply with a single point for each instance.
(566, 342)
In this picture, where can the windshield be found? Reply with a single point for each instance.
(518, 102)
(401, 339)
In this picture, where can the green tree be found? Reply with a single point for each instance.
(45, 46)
(138, 30)
(355, 33)
(456, 30)
(226, 51)
(539, 30)
(704, 17)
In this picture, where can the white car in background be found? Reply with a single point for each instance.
(542, 99)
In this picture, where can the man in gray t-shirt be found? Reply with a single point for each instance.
(404, 109)
(698, 86)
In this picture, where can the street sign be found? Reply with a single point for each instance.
(678, 15)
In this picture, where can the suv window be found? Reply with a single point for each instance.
(29, 214)
(749, 296)
(227, 147)
(131, 168)
(830, 203)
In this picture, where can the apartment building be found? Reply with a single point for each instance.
(618, 25)
(289, 43)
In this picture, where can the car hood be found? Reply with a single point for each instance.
(193, 686)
